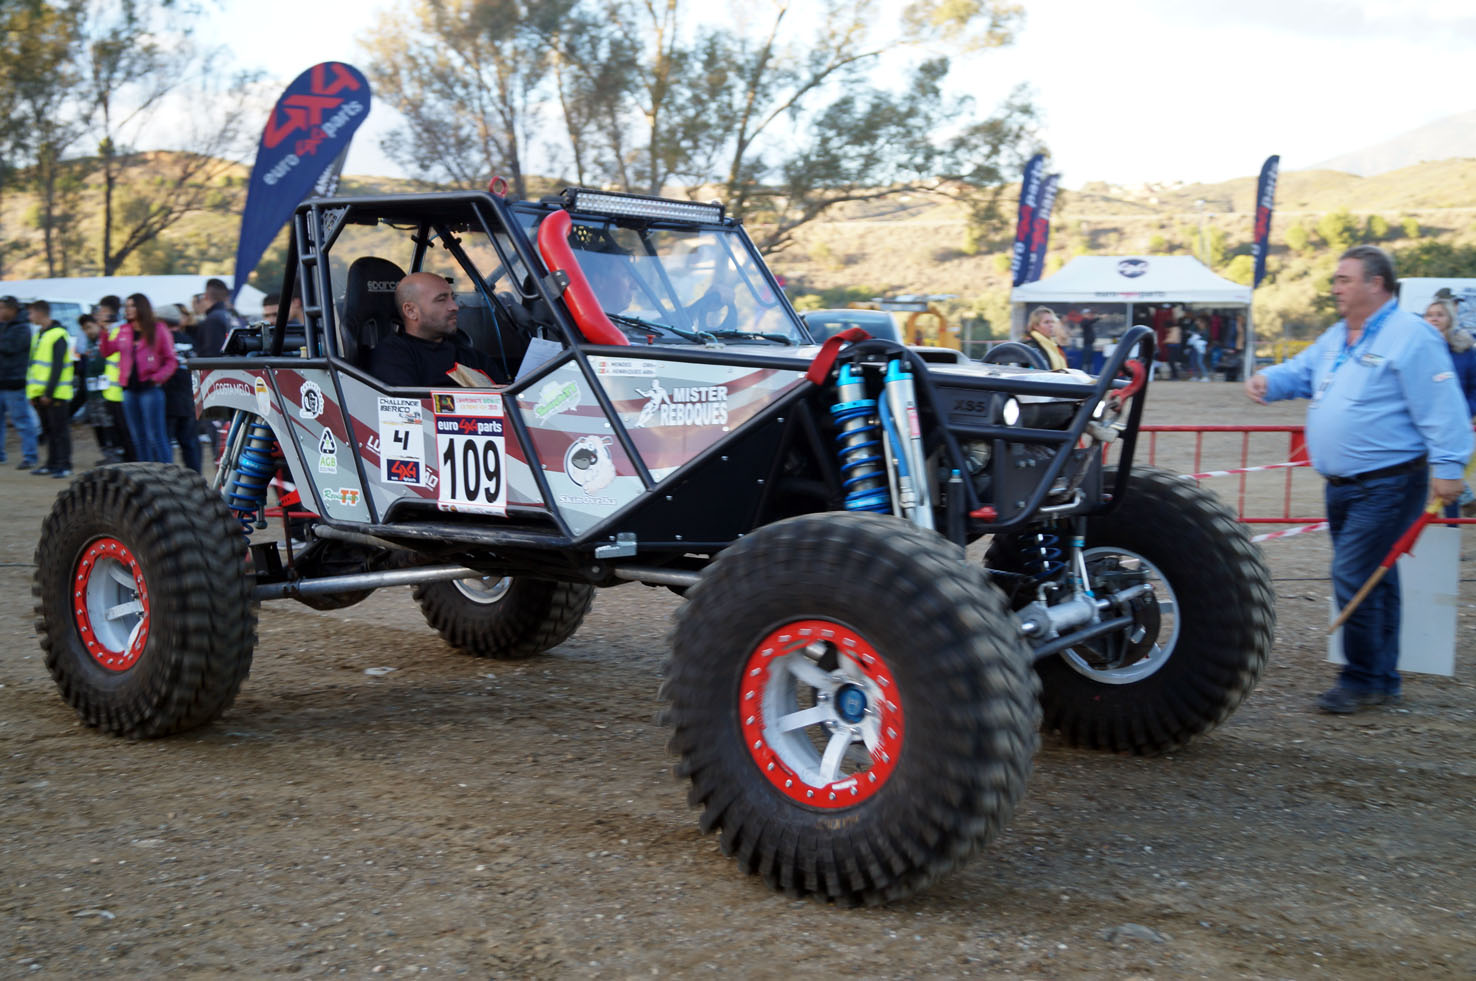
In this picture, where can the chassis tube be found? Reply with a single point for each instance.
(365, 580)
(656, 575)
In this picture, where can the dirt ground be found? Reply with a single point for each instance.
(456, 817)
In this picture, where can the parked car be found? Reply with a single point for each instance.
(64, 312)
(825, 324)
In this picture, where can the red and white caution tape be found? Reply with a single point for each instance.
(1241, 470)
(1287, 533)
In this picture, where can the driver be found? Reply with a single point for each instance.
(428, 350)
(612, 285)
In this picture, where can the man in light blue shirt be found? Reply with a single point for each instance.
(1387, 427)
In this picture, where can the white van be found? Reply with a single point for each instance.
(1416, 292)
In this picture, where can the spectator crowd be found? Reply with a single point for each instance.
(124, 373)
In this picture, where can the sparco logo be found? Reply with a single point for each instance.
(381, 285)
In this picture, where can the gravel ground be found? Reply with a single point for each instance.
(455, 817)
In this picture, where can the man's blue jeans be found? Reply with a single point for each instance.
(1365, 520)
(13, 405)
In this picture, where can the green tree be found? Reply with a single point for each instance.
(39, 53)
(1298, 239)
(597, 71)
(1241, 269)
(1411, 227)
(1376, 229)
(472, 80)
(1338, 229)
(1217, 250)
(1434, 258)
(139, 53)
(644, 101)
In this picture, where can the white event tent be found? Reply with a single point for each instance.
(1135, 280)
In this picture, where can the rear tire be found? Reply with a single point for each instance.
(1207, 637)
(144, 607)
(852, 705)
(510, 618)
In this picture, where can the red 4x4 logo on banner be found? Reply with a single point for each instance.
(305, 111)
(305, 141)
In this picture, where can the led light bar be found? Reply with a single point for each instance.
(635, 206)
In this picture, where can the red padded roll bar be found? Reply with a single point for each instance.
(553, 246)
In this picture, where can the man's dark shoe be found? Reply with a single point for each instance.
(24, 465)
(60, 474)
(1346, 701)
(41, 472)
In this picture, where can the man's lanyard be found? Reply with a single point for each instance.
(1370, 331)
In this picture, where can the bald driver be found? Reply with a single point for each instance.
(428, 348)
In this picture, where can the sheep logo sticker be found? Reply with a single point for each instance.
(588, 463)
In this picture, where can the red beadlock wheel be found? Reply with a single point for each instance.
(110, 603)
(794, 660)
(154, 636)
(822, 718)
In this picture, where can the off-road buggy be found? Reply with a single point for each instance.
(854, 700)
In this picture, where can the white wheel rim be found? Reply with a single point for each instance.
(1168, 625)
(486, 590)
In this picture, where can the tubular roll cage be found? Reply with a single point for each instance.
(306, 259)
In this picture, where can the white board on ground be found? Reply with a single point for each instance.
(1428, 584)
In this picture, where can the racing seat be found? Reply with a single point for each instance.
(369, 314)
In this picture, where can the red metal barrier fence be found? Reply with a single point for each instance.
(1267, 493)
(1286, 447)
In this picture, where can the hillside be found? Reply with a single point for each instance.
(1452, 136)
(918, 244)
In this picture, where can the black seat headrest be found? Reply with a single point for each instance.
(369, 313)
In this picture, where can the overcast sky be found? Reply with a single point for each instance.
(1131, 91)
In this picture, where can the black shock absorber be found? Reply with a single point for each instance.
(252, 470)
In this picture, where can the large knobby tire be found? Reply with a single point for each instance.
(144, 606)
(852, 705)
(1207, 636)
(509, 618)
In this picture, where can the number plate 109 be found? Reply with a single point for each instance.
(469, 452)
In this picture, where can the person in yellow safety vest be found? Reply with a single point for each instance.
(49, 389)
(106, 312)
(93, 380)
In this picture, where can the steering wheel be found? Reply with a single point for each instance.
(711, 312)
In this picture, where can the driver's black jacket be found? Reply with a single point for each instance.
(409, 362)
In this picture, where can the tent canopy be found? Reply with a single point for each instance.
(1135, 279)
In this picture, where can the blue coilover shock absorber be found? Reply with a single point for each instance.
(858, 445)
(1041, 555)
(254, 469)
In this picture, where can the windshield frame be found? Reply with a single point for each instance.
(700, 278)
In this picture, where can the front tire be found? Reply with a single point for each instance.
(144, 607)
(512, 617)
(1206, 634)
(852, 705)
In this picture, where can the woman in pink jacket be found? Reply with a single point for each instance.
(145, 362)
